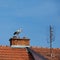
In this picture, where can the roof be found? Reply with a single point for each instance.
(9, 53)
(46, 52)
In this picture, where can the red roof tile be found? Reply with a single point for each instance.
(8, 53)
(46, 52)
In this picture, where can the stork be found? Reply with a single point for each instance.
(17, 32)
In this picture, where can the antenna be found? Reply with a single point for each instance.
(51, 40)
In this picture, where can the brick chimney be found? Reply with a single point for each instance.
(19, 42)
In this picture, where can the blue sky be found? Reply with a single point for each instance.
(34, 17)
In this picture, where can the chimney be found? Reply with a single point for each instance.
(19, 42)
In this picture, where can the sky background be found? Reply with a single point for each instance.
(34, 17)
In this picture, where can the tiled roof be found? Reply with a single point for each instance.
(46, 52)
(8, 53)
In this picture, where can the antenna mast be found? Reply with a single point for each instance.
(51, 40)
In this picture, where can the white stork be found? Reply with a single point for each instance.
(18, 32)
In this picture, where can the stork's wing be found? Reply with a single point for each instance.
(15, 33)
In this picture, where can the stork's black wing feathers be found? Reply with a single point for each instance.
(15, 33)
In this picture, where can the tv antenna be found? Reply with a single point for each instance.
(51, 40)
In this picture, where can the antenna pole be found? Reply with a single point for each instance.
(51, 39)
